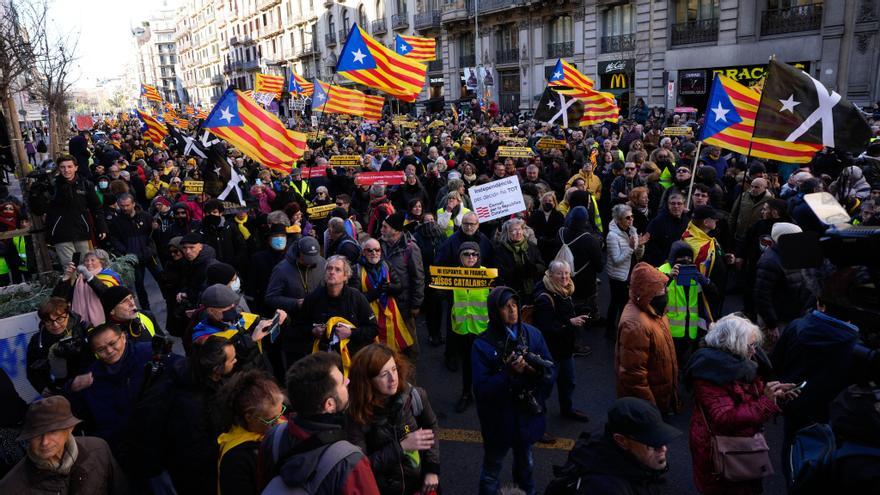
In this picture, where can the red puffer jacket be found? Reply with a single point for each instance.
(734, 409)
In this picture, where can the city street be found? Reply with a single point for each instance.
(461, 447)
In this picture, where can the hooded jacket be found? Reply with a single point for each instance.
(729, 393)
(645, 360)
(69, 215)
(503, 422)
(780, 294)
(290, 281)
(620, 254)
(195, 272)
(405, 258)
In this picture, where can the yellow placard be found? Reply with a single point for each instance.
(450, 278)
(381, 149)
(678, 131)
(436, 123)
(502, 130)
(514, 151)
(406, 124)
(315, 135)
(319, 212)
(546, 143)
(194, 186)
(345, 160)
(515, 140)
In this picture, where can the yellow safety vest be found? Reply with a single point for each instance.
(683, 309)
(470, 314)
(21, 247)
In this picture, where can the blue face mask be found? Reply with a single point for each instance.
(278, 243)
(103, 185)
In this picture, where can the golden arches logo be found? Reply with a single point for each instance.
(618, 81)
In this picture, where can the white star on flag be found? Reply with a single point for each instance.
(557, 75)
(359, 56)
(720, 112)
(403, 48)
(789, 104)
(226, 115)
(550, 104)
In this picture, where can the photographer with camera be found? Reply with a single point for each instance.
(513, 373)
(58, 350)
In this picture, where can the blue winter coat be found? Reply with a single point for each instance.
(502, 421)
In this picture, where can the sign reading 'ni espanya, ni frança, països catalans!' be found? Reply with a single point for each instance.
(459, 277)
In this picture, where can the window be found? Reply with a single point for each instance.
(401, 6)
(787, 4)
(380, 9)
(561, 29)
(346, 23)
(362, 16)
(331, 25)
(618, 20)
(507, 38)
(467, 45)
(695, 10)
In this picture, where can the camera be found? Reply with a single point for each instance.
(525, 397)
(70, 347)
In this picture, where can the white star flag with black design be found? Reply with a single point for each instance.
(559, 109)
(797, 108)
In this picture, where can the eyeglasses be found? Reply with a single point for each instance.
(628, 217)
(372, 250)
(110, 345)
(682, 171)
(646, 171)
(57, 320)
(629, 168)
(470, 254)
(272, 421)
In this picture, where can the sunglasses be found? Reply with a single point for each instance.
(372, 250)
(470, 254)
(272, 421)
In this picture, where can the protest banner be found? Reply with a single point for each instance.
(310, 172)
(380, 178)
(450, 278)
(678, 131)
(381, 149)
(519, 141)
(514, 151)
(194, 186)
(345, 160)
(436, 123)
(546, 143)
(84, 122)
(502, 130)
(496, 199)
(319, 212)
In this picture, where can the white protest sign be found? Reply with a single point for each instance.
(496, 199)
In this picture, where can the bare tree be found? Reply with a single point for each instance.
(16, 60)
(54, 58)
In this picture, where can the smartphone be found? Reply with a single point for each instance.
(801, 386)
(76, 257)
(275, 328)
(258, 181)
(687, 275)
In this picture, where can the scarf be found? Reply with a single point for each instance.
(333, 345)
(469, 178)
(565, 291)
(393, 329)
(87, 304)
(231, 439)
(63, 467)
(703, 246)
(242, 227)
(519, 251)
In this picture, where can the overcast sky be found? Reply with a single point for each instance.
(104, 26)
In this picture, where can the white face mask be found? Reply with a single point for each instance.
(236, 285)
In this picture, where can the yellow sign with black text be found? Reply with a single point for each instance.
(546, 143)
(678, 131)
(345, 160)
(514, 152)
(194, 186)
(319, 212)
(450, 278)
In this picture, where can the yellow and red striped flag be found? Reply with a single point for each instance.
(730, 124)
(153, 129)
(255, 131)
(150, 93)
(299, 86)
(416, 48)
(249, 93)
(336, 99)
(178, 122)
(201, 114)
(189, 110)
(598, 106)
(267, 83)
(565, 74)
(366, 61)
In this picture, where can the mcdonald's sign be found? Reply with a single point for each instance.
(615, 74)
(618, 81)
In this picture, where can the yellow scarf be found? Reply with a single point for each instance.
(231, 439)
(343, 343)
(242, 227)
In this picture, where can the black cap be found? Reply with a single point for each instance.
(640, 420)
(704, 212)
(111, 297)
(757, 168)
(219, 273)
(688, 147)
(191, 238)
(309, 249)
(396, 221)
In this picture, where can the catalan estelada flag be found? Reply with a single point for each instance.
(266, 83)
(178, 122)
(416, 48)
(598, 106)
(730, 124)
(249, 93)
(299, 86)
(366, 61)
(201, 114)
(189, 110)
(153, 130)
(255, 131)
(335, 99)
(150, 93)
(565, 74)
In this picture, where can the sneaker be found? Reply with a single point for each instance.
(464, 403)
(582, 351)
(576, 415)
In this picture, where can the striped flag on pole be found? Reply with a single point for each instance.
(153, 130)
(366, 61)
(298, 86)
(150, 93)
(336, 99)
(416, 48)
(266, 83)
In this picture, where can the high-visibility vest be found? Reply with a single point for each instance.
(302, 190)
(21, 248)
(470, 314)
(147, 324)
(683, 308)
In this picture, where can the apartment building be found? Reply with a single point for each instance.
(156, 53)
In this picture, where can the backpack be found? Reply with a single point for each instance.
(813, 455)
(568, 479)
(331, 455)
(565, 254)
(527, 312)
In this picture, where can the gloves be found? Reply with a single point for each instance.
(86, 274)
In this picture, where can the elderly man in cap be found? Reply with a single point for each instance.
(58, 462)
(629, 458)
(120, 308)
(198, 258)
(299, 273)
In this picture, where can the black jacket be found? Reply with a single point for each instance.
(780, 294)
(226, 240)
(76, 355)
(132, 235)
(405, 259)
(259, 272)
(546, 228)
(552, 316)
(318, 307)
(520, 278)
(195, 272)
(69, 217)
(664, 229)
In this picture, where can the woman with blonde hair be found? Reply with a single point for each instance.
(393, 422)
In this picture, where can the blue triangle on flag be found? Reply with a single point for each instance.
(319, 97)
(225, 113)
(401, 46)
(355, 55)
(558, 72)
(294, 86)
(720, 112)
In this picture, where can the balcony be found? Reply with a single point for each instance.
(330, 39)
(250, 64)
(619, 43)
(493, 5)
(691, 32)
(270, 30)
(217, 79)
(265, 4)
(435, 66)
(241, 40)
(467, 60)
(379, 26)
(307, 50)
(427, 20)
(791, 20)
(399, 21)
(509, 56)
(342, 35)
(456, 10)
(558, 50)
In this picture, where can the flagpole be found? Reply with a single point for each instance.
(693, 174)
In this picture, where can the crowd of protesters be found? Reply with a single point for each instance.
(300, 330)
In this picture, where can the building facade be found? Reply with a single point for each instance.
(156, 50)
(665, 51)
